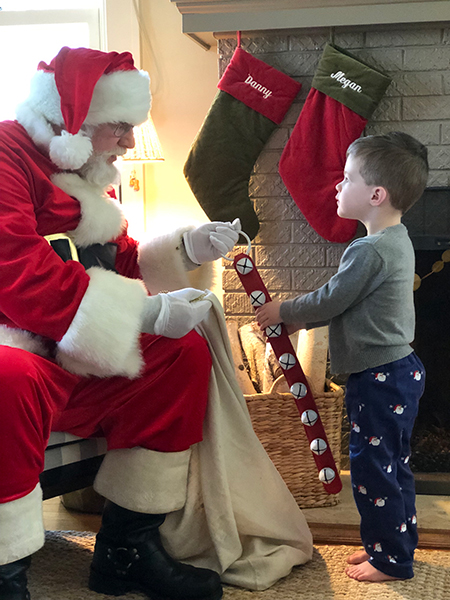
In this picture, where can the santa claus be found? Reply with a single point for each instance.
(90, 345)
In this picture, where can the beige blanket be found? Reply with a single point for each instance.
(240, 518)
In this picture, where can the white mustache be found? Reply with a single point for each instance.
(105, 155)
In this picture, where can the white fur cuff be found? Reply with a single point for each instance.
(144, 480)
(163, 268)
(103, 338)
(21, 527)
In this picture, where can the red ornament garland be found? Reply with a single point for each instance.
(286, 356)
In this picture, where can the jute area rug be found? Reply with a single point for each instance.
(59, 572)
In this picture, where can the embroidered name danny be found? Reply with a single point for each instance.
(340, 76)
(257, 86)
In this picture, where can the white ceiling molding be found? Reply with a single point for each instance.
(201, 18)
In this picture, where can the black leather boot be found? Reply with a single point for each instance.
(13, 580)
(129, 556)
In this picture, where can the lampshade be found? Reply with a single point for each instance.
(147, 145)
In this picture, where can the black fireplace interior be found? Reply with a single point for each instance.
(428, 224)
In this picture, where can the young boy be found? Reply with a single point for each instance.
(369, 307)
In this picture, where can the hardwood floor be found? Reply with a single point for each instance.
(58, 518)
(338, 533)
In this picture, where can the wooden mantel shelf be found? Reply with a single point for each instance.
(200, 18)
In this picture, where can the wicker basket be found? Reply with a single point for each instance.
(276, 421)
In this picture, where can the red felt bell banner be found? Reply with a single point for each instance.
(286, 356)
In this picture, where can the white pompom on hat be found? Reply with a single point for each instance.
(79, 87)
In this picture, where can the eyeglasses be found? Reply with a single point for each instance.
(121, 129)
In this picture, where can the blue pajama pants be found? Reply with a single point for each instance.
(382, 404)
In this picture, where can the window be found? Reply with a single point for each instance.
(28, 36)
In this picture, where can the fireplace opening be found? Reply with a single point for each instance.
(428, 223)
(431, 436)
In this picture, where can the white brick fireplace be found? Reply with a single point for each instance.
(409, 41)
(290, 256)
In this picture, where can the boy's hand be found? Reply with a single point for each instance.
(269, 314)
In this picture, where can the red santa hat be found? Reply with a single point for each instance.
(80, 87)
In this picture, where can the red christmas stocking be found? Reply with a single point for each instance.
(344, 94)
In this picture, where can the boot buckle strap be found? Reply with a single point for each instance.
(123, 559)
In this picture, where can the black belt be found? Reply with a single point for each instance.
(95, 255)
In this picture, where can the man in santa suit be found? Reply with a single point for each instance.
(84, 346)
(91, 344)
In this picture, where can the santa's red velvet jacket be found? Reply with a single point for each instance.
(89, 320)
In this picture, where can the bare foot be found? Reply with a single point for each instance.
(358, 557)
(366, 572)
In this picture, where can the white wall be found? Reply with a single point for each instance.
(184, 78)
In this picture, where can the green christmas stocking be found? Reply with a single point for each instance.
(252, 100)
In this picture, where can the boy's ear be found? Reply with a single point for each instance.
(379, 195)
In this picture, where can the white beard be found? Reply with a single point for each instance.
(99, 172)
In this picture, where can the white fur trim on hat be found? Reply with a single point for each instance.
(121, 96)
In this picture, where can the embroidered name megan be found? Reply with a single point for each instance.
(257, 86)
(340, 76)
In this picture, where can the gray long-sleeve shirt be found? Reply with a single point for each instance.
(368, 304)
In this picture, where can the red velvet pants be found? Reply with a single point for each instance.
(162, 410)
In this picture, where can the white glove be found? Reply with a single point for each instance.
(211, 240)
(180, 312)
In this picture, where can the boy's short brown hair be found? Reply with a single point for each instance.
(395, 161)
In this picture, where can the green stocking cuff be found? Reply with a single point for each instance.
(350, 81)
